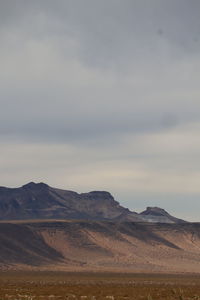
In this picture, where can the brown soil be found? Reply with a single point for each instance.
(96, 286)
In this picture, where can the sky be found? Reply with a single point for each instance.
(103, 95)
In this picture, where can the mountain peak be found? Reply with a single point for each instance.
(157, 214)
(154, 210)
(98, 195)
(32, 185)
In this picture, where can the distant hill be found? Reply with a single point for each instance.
(158, 215)
(40, 201)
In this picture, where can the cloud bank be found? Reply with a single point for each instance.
(103, 95)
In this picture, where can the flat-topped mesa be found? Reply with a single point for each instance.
(159, 215)
(154, 211)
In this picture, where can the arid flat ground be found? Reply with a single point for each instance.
(97, 286)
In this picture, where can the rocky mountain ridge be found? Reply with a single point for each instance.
(40, 201)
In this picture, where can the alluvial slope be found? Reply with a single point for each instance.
(100, 245)
(40, 201)
(21, 244)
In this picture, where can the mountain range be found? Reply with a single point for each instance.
(45, 228)
(40, 201)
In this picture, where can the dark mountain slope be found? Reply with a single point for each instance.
(22, 245)
(40, 201)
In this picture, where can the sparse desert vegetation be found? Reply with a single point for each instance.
(97, 286)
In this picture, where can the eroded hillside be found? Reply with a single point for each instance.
(98, 245)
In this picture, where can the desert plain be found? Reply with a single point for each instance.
(97, 286)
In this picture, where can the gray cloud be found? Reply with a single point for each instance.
(101, 77)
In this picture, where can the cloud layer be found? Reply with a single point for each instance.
(103, 95)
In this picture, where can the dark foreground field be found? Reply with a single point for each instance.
(88, 286)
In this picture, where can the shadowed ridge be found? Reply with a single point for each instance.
(41, 201)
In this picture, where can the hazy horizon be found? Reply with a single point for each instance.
(103, 95)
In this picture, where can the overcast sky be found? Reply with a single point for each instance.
(103, 95)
